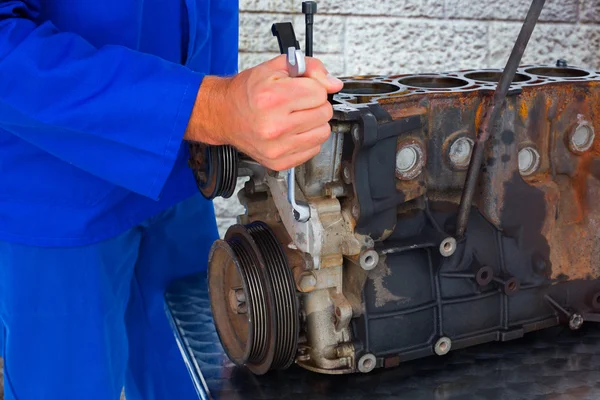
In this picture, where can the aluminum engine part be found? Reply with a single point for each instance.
(380, 277)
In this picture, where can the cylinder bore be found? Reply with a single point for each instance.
(253, 299)
(494, 76)
(433, 82)
(561, 72)
(368, 88)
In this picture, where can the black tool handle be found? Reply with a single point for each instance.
(284, 31)
(309, 9)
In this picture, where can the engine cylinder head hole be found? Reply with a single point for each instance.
(448, 247)
(484, 276)
(442, 346)
(367, 363)
(511, 286)
(460, 152)
(582, 138)
(369, 259)
(410, 159)
(575, 322)
(529, 161)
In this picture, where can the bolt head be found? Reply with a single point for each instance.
(308, 282)
(575, 322)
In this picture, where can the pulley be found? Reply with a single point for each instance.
(215, 169)
(253, 299)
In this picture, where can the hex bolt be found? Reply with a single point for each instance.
(442, 346)
(575, 322)
(347, 174)
(307, 283)
(367, 363)
(356, 133)
(356, 211)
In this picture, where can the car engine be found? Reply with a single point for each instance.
(361, 258)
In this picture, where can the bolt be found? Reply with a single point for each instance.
(561, 63)
(575, 322)
(240, 295)
(443, 346)
(356, 133)
(355, 211)
(529, 161)
(307, 282)
(347, 175)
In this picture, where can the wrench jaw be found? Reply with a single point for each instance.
(296, 62)
(301, 209)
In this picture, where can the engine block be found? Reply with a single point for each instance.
(377, 276)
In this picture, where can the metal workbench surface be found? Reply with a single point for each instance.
(553, 364)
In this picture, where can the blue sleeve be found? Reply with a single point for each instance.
(225, 36)
(113, 112)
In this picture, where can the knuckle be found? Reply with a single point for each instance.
(269, 132)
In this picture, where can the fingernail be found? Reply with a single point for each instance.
(333, 80)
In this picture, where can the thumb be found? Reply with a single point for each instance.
(317, 71)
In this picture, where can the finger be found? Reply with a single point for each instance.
(285, 146)
(308, 140)
(316, 70)
(293, 160)
(303, 93)
(306, 120)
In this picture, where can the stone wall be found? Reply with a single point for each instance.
(418, 36)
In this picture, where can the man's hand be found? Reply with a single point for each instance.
(277, 120)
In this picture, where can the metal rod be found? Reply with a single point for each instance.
(309, 9)
(488, 124)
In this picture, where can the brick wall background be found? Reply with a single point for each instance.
(419, 36)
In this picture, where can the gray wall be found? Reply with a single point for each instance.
(418, 36)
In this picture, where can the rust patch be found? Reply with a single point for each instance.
(382, 294)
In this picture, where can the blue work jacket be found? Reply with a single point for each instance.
(95, 97)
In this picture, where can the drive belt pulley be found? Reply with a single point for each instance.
(215, 169)
(253, 299)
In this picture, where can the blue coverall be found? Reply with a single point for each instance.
(98, 209)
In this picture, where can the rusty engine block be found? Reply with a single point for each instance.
(377, 276)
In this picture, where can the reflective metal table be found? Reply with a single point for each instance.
(554, 364)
